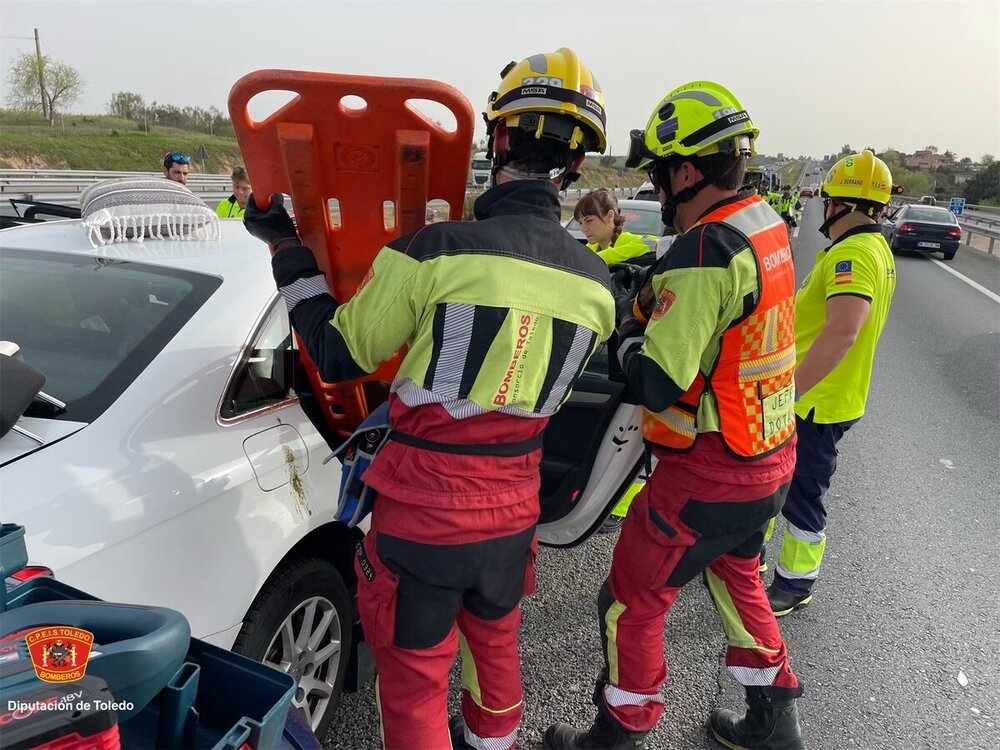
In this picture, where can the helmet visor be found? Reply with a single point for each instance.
(638, 154)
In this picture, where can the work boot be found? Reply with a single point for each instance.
(771, 722)
(605, 734)
(456, 728)
(784, 602)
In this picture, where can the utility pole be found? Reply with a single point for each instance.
(41, 79)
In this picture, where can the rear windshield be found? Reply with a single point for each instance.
(642, 222)
(481, 164)
(636, 221)
(92, 325)
(941, 215)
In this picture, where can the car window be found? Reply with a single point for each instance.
(263, 376)
(642, 222)
(926, 213)
(91, 324)
(637, 221)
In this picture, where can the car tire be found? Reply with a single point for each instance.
(948, 256)
(308, 587)
(893, 245)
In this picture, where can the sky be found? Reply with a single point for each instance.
(813, 74)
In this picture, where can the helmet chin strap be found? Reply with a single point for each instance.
(824, 228)
(669, 211)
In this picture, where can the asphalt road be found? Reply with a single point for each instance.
(899, 649)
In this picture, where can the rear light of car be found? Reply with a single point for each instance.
(908, 228)
(955, 232)
(32, 571)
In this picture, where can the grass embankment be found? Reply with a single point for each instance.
(593, 175)
(103, 143)
(791, 172)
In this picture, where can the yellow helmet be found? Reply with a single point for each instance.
(857, 178)
(550, 83)
(697, 119)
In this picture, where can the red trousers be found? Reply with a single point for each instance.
(681, 526)
(422, 601)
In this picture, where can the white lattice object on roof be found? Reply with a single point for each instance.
(136, 210)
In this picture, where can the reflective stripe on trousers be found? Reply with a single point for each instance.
(668, 539)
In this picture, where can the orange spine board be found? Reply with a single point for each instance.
(382, 162)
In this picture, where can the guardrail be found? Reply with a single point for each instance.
(65, 185)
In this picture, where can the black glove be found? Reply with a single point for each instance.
(273, 225)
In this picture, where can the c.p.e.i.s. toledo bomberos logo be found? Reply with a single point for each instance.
(59, 653)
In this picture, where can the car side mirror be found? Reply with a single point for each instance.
(21, 383)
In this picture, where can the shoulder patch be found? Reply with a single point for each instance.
(843, 272)
(663, 303)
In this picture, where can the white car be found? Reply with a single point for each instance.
(186, 467)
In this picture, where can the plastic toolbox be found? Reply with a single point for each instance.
(216, 700)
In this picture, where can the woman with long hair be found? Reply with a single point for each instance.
(603, 225)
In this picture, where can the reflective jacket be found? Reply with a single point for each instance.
(229, 209)
(728, 284)
(789, 205)
(626, 247)
(499, 317)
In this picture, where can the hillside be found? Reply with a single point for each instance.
(111, 143)
(101, 142)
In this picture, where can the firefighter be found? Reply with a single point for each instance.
(840, 313)
(709, 353)
(499, 316)
(789, 207)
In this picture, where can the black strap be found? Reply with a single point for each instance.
(551, 92)
(716, 126)
(520, 448)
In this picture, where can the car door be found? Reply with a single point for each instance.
(892, 221)
(592, 452)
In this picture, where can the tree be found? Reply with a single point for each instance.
(986, 160)
(965, 161)
(846, 150)
(931, 149)
(126, 104)
(63, 84)
(985, 186)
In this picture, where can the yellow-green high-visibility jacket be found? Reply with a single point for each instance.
(229, 209)
(500, 314)
(626, 247)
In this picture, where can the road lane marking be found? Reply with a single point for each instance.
(978, 287)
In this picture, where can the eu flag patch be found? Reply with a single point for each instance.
(843, 272)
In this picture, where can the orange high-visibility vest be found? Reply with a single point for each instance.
(752, 380)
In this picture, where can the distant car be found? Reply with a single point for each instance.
(919, 227)
(806, 192)
(642, 217)
(647, 193)
(927, 200)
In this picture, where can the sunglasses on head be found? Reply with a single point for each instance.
(176, 158)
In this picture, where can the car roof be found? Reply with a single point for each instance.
(237, 254)
(639, 205)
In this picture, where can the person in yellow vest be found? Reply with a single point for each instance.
(235, 205)
(709, 353)
(603, 225)
(840, 312)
